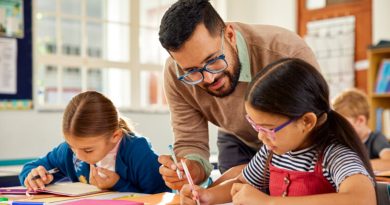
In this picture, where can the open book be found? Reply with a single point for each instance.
(63, 189)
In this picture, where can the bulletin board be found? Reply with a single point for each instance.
(22, 98)
(362, 12)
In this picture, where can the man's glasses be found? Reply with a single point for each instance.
(270, 133)
(216, 65)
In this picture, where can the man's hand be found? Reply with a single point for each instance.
(168, 172)
(107, 181)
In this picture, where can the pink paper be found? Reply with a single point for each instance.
(102, 202)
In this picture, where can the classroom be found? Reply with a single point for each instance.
(193, 102)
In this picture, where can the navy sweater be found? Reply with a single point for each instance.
(136, 164)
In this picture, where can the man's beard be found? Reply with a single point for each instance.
(233, 78)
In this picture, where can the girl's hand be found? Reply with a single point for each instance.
(247, 194)
(39, 183)
(188, 197)
(103, 182)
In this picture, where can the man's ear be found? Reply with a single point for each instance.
(308, 121)
(230, 35)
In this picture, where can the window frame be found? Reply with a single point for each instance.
(84, 62)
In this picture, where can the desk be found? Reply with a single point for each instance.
(148, 199)
(9, 176)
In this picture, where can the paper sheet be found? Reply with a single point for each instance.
(64, 189)
(8, 52)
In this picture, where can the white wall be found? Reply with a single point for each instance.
(25, 134)
(28, 134)
(381, 24)
(276, 12)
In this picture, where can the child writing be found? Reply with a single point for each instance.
(311, 155)
(100, 149)
(353, 105)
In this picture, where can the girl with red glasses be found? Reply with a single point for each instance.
(311, 154)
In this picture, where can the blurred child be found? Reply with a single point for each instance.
(311, 154)
(353, 105)
(100, 149)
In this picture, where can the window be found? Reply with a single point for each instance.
(84, 45)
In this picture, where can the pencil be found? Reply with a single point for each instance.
(52, 171)
(175, 161)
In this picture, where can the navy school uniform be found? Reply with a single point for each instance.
(136, 164)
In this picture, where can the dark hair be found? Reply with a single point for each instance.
(291, 87)
(180, 20)
(92, 114)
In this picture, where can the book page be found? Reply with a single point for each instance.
(72, 189)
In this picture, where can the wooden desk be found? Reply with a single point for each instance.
(163, 198)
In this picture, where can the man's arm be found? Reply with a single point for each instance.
(190, 129)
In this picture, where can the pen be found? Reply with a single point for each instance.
(175, 160)
(23, 203)
(187, 172)
(52, 171)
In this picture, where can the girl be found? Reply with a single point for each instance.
(100, 149)
(308, 148)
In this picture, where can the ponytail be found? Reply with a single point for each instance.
(124, 125)
(346, 135)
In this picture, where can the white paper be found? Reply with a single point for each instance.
(315, 4)
(8, 52)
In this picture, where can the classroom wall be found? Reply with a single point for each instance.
(25, 134)
(381, 16)
(276, 12)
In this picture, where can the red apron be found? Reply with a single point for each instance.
(297, 183)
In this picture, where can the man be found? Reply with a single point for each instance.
(353, 105)
(205, 80)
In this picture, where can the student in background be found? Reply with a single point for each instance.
(100, 149)
(353, 105)
(310, 152)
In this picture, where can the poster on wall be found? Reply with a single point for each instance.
(8, 51)
(11, 18)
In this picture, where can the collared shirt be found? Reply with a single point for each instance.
(243, 55)
(108, 162)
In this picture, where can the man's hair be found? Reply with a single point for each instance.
(181, 19)
(352, 103)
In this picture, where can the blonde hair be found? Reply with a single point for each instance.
(352, 103)
(92, 114)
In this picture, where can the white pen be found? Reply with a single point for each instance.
(175, 161)
(187, 172)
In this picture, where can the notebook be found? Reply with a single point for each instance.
(63, 189)
(102, 202)
(161, 198)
